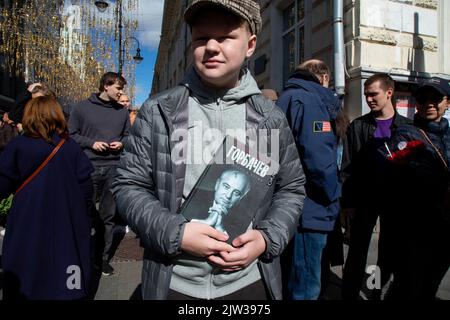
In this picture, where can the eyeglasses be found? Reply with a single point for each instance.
(433, 98)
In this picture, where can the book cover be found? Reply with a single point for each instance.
(230, 189)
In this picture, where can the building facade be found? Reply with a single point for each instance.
(68, 46)
(408, 39)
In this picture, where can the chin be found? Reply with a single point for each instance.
(211, 74)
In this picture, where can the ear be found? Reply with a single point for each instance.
(325, 78)
(390, 92)
(251, 46)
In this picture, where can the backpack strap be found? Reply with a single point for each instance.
(435, 148)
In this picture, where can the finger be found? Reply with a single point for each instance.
(218, 261)
(233, 269)
(225, 266)
(234, 256)
(213, 233)
(242, 239)
(220, 246)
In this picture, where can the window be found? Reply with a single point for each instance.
(293, 37)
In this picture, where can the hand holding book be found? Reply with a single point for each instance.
(249, 246)
(202, 240)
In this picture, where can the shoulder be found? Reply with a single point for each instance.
(401, 120)
(357, 122)
(266, 107)
(80, 105)
(70, 143)
(170, 94)
(363, 120)
(299, 93)
(406, 129)
(25, 146)
(21, 140)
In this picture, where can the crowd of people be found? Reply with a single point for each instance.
(73, 180)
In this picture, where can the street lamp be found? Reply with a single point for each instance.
(137, 58)
(102, 6)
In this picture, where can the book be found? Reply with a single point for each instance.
(231, 189)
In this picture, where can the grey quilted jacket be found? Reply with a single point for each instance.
(148, 188)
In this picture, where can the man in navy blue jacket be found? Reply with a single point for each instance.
(311, 109)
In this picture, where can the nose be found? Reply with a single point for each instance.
(212, 45)
(228, 194)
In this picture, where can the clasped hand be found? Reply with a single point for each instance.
(203, 240)
(103, 146)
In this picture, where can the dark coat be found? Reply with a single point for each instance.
(363, 166)
(48, 228)
(149, 185)
(17, 111)
(311, 109)
(420, 219)
(423, 179)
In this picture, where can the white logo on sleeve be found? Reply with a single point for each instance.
(402, 145)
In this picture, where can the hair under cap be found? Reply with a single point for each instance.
(248, 10)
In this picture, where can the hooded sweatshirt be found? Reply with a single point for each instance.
(212, 115)
(97, 120)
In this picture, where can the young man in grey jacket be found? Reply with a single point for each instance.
(188, 260)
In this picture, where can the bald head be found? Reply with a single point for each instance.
(230, 188)
(318, 68)
(270, 94)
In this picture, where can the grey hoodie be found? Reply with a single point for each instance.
(220, 111)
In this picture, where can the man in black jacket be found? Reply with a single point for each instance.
(365, 184)
(99, 125)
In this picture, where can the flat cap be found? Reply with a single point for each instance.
(249, 10)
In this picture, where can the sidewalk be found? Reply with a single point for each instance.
(334, 289)
(124, 284)
(127, 262)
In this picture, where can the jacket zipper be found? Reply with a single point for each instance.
(219, 110)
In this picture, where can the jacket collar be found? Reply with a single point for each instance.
(176, 101)
(306, 76)
(398, 119)
(95, 99)
(309, 82)
(439, 128)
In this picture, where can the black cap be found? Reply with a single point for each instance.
(441, 85)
